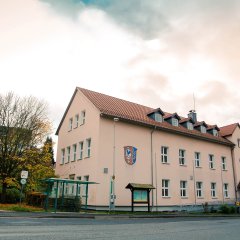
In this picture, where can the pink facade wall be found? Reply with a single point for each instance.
(140, 137)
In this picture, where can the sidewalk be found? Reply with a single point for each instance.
(98, 215)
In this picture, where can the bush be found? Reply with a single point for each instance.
(224, 209)
(12, 195)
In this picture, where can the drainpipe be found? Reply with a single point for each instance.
(152, 164)
(234, 173)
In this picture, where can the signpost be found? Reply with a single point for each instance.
(23, 181)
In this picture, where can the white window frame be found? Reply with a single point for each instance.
(211, 161)
(199, 189)
(215, 132)
(175, 122)
(213, 190)
(203, 129)
(81, 144)
(74, 152)
(164, 154)
(88, 147)
(224, 163)
(182, 157)
(62, 156)
(82, 117)
(197, 156)
(165, 188)
(183, 189)
(225, 190)
(70, 124)
(68, 154)
(189, 126)
(76, 120)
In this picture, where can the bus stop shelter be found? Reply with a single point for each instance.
(56, 189)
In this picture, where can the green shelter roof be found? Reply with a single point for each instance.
(140, 186)
(61, 180)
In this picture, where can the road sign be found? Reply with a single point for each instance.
(24, 174)
(23, 181)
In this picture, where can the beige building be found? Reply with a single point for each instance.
(189, 162)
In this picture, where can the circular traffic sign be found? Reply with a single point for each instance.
(23, 181)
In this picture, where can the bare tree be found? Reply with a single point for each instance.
(23, 124)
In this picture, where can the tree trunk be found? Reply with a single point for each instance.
(4, 192)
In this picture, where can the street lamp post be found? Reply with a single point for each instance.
(112, 188)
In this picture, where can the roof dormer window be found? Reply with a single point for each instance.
(203, 129)
(189, 126)
(175, 122)
(215, 132)
(158, 117)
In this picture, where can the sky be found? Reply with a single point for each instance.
(159, 53)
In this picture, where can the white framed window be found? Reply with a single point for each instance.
(175, 122)
(215, 132)
(183, 189)
(189, 125)
(80, 150)
(197, 159)
(82, 117)
(76, 120)
(88, 145)
(63, 156)
(84, 186)
(199, 189)
(74, 152)
(225, 190)
(213, 190)
(224, 165)
(158, 117)
(211, 161)
(68, 154)
(70, 124)
(203, 129)
(164, 154)
(165, 188)
(182, 160)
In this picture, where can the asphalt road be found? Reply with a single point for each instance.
(16, 228)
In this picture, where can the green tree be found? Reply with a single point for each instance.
(23, 124)
(48, 149)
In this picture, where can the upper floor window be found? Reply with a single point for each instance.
(76, 120)
(203, 129)
(70, 124)
(238, 142)
(183, 188)
(68, 154)
(199, 189)
(182, 157)
(211, 161)
(88, 142)
(189, 125)
(165, 188)
(62, 156)
(197, 159)
(224, 166)
(82, 117)
(74, 152)
(81, 150)
(164, 154)
(175, 122)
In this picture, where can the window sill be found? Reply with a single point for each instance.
(167, 163)
(224, 170)
(183, 165)
(66, 162)
(212, 168)
(79, 159)
(214, 197)
(166, 197)
(184, 197)
(200, 197)
(87, 156)
(198, 167)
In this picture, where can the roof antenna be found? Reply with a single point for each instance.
(194, 107)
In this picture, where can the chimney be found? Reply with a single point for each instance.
(193, 115)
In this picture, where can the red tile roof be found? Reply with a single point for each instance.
(228, 130)
(128, 111)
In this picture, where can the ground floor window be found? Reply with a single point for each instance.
(165, 188)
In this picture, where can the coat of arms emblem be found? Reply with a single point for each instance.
(130, 154)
